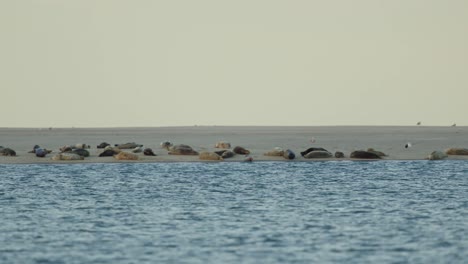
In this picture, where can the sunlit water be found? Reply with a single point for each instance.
(261, 212)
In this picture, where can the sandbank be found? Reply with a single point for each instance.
(388, 139)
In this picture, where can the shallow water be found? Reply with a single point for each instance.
(261, 212)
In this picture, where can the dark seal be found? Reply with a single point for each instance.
(305, 152)
(361, 154)
(289, 154)
(241, 151)
(148, 152)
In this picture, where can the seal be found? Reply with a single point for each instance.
(437, 155)
(130, 145)
(67, 156)
(456, 151)
(138, 149)
(362, 154)
(148, 152)
(81, 146)
(275, 152)
(103, 145)
(80, 151)
(205, 155)
(182, 150)
(7, 152)
(318, 154)
(40, 152)
(303, 153)
(339, 155)
(126, 156)
(241, 150)
(289, 154)
(223, 144)
(166, 145)
(225, 154)
(108, 153)
(380, 153)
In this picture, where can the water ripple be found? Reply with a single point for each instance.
(272, 212)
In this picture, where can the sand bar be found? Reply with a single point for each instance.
(388, 139)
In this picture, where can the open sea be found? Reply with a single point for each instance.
(235, 212)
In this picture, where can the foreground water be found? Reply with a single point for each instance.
(264, 212)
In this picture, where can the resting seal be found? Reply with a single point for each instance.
(182, 150)
(223, 144)
(148, 152)
(225, 154)
(209, 156)
(138, 149)
(437, 155)
(303, 153)
(40, 152)
(166, 145)
(126, 156)
(7, 152)
(241, 151)
(380, 153)
(108, 153)
(81, 146)
(81, 152)
(318, 154)
(456, 151)
(103, 145)
(361, 154)
(130, 145)
(275, 152)
(288, 154)
(339, 155)
(67, 156)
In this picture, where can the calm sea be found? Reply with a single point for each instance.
(234, 212)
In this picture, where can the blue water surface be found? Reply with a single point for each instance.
(235, 212)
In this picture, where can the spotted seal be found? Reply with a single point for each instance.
(456, 151)
(289, 154)
(148, 152)
(241, 150)
(318, 154)
(67, 156)
(205, 155)
(130, 145)
(437, 155)
(304, 153)
(223, 144)
(275, 152)
(182, 149)
(225, 154)
(7, 152)
(103, 145)
(126, 156)
(362, 154)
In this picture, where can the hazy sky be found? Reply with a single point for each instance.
(98, 63)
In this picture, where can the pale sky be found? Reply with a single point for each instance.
(108, 63)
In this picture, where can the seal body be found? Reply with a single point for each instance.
(456, 151)
(223, 144)
(379, 153)
(303, 153)
(67, 156)
(318, 154)
(80, 151)
(289, 154)
(7, 152)
(40, 152)
(148, 152)
(205, 155)
(108, 153)
(81, 146)
(241, 151)
(437, 155)
(166, 145)
(138, 149)
(182, 150)
(362, 154)
(225, 154)
(339, 155)
(126, 156)
(103, 145)
(130, 145)
(275, 152)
